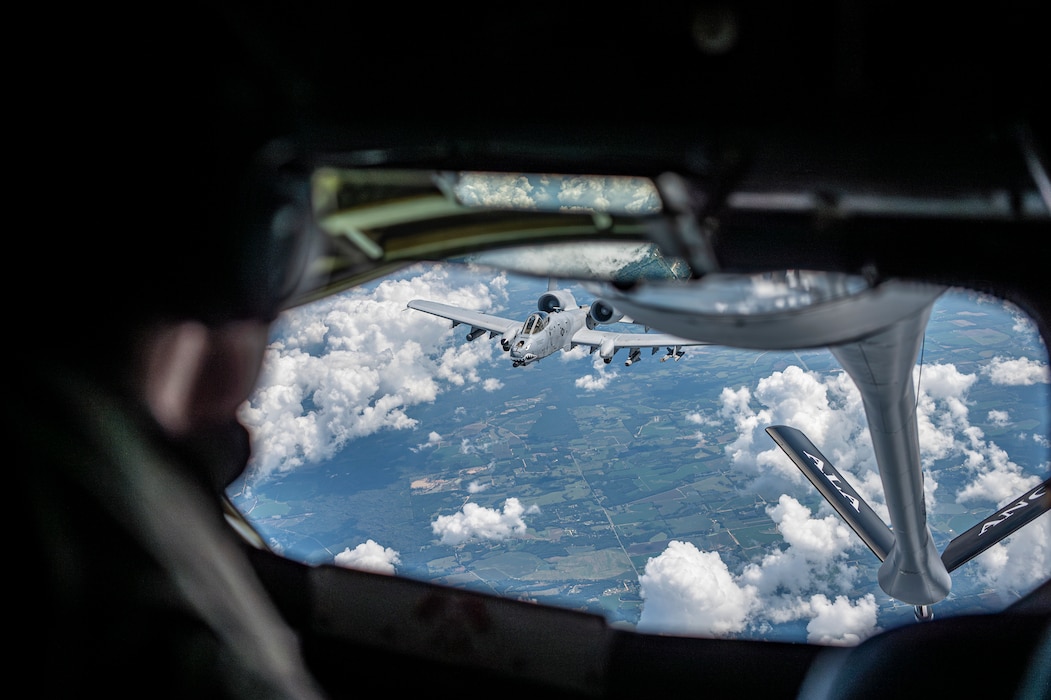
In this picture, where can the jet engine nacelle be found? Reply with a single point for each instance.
(556, 300)
(602, 312)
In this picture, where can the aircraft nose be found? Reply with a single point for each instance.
(521, 355)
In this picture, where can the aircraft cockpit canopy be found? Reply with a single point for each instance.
(536, 322)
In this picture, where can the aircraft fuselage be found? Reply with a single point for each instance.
(543, 334)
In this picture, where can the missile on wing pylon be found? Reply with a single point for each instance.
(674, 353)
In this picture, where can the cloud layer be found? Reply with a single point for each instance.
(691, 591)
(353, 364)
(356, 363)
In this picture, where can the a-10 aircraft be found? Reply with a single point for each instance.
(559, 324)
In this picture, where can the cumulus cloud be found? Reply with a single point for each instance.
(433, 440)
(997, 484)
(816, 540)
(475, 522)
(491, 384)
(690, 592)
(576, 354)
(593, 382)
(841, 621)
(476, 487)
(350, 365)
(999, 417)
(469, 447)
(1019, 562)
(813, 560)
(699, 438)
(828, 409)
(1017, 372)
(369, 556)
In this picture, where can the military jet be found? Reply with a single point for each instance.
(559, 323)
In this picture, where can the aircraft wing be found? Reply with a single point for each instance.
(476, 319)
(608, 342)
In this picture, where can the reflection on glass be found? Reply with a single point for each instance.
(761, 293)
(621, 261)
(629, 196)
